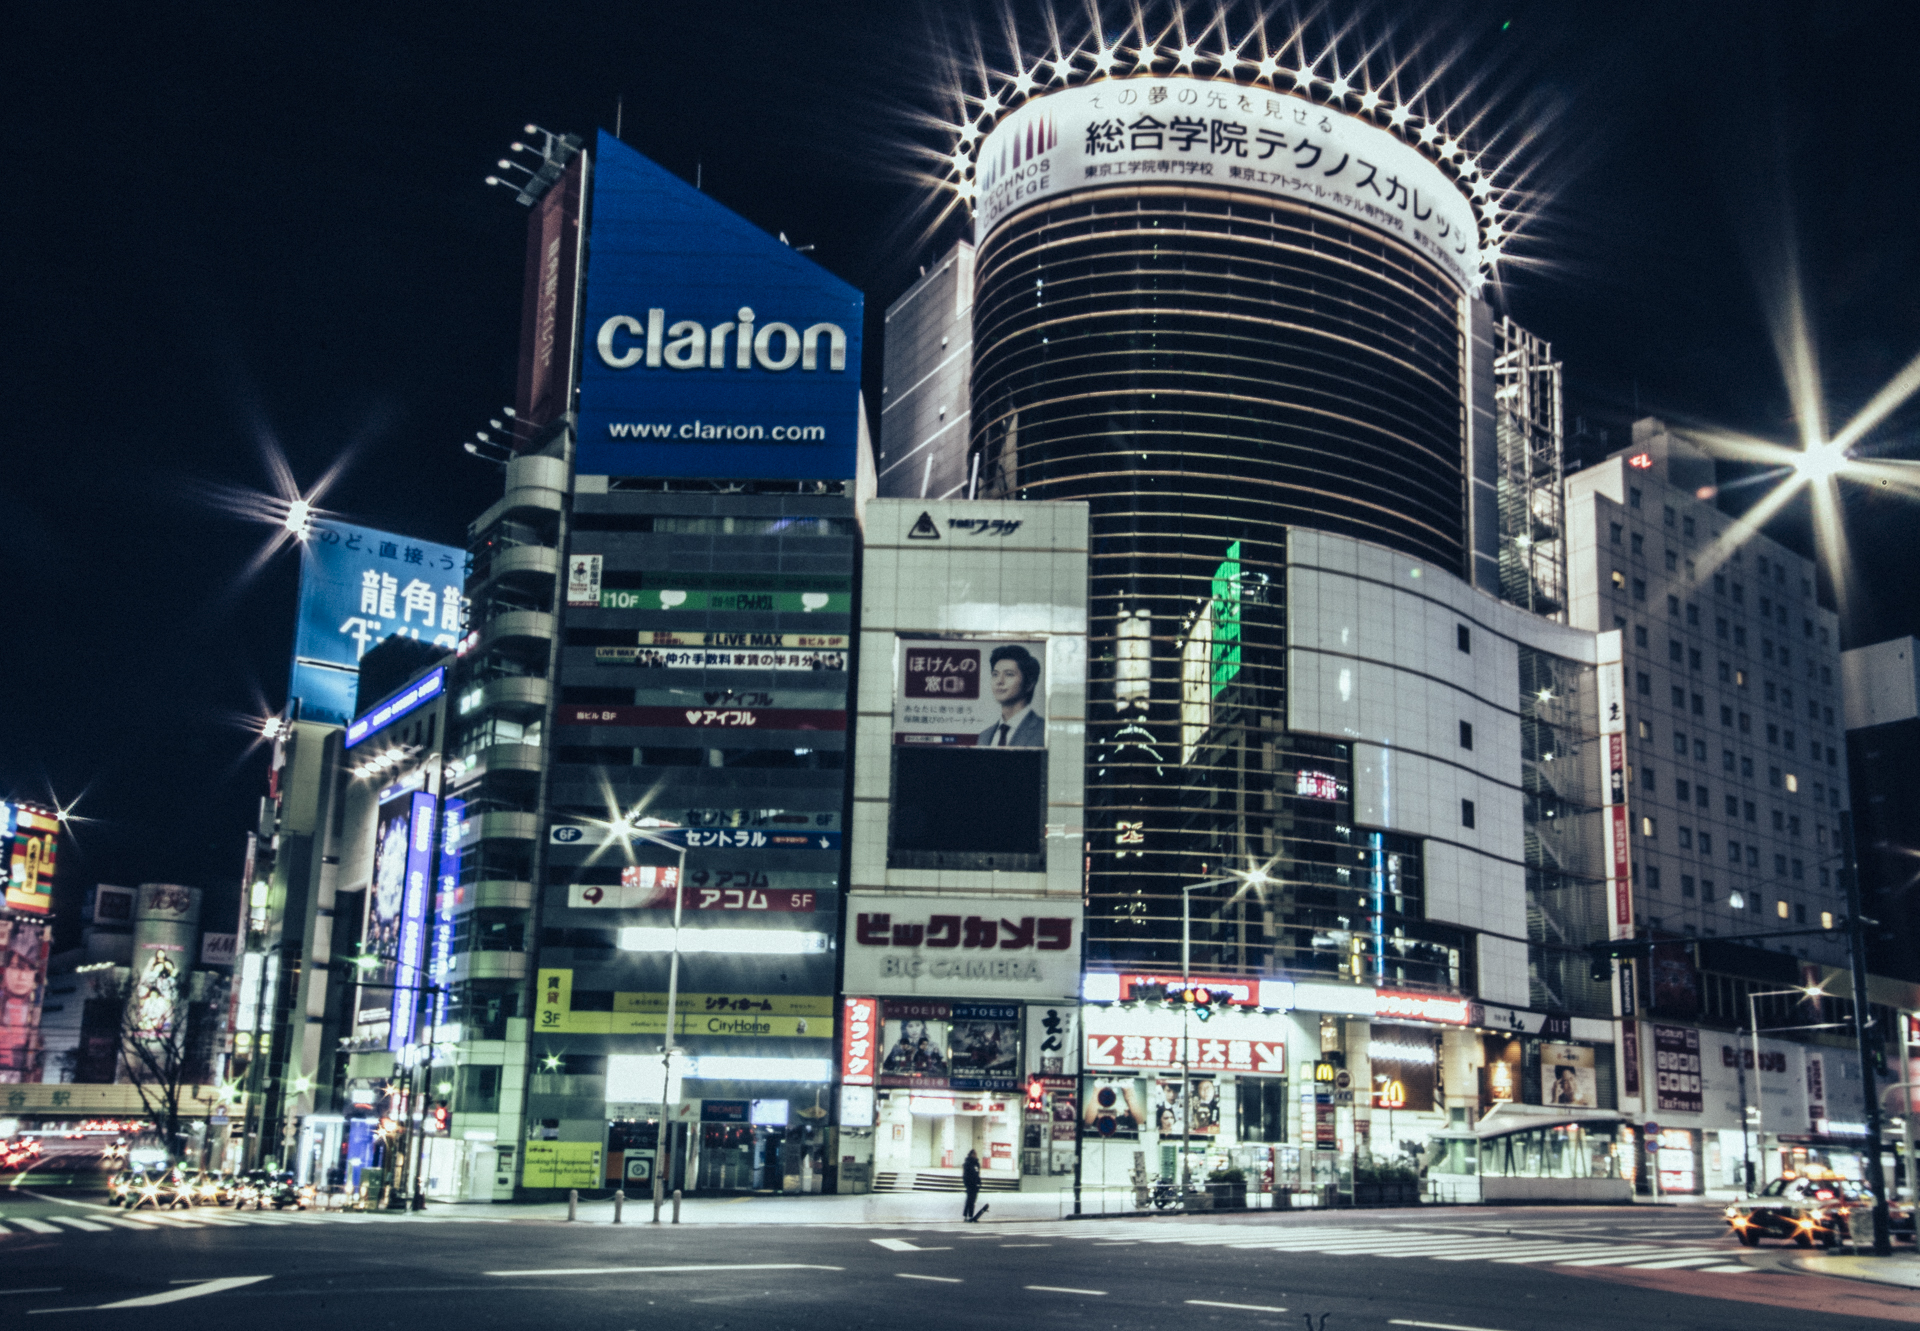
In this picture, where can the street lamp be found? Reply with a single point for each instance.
(1256, 878)
(1758, 1112)
(649, 829)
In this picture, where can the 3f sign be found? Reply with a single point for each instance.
(688, 345)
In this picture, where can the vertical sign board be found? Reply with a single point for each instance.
(859, 1033)
(1676, 1061)
(445, 902)
(548, 301)
(407, 977)
(1613, 746)
(711, 348)
(359, 587)
(31, 851)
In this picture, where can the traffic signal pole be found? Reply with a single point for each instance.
(1863, 1033)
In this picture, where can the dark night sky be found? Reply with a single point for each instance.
(244, 224)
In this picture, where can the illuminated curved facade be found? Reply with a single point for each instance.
(1181, 323)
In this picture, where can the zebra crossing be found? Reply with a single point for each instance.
(105, 1220)
(1399, 1242)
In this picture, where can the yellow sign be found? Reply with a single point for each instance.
(749, 1016)
(562, 1165)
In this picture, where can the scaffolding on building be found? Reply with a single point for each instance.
(1528, 436)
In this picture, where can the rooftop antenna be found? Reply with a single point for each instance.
(696, 175)
(619, 108)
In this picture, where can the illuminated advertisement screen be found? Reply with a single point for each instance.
(31, 852)
(446, 901)
(711, 348)
(23, 979)
(408, 976)
(358, 587)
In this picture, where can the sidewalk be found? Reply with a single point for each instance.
(1901, 1269)
(879, 1208)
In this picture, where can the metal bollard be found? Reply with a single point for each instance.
(619, 1200)
(676, 1206)
(573, 1204)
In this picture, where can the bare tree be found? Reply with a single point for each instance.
(156, 1051)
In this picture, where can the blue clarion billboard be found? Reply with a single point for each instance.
(712, 349)
(359, 587)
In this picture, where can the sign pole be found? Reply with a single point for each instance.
(1863, 1033)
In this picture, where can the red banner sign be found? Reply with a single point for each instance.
(861, 1030)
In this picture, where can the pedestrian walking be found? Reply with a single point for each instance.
(970, 1177)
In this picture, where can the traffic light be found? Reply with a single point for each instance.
(1036, 1095)
(441, 1118)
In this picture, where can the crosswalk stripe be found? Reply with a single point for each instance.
(1735, 1270)
(1675, 1263)
(1585, 1250)
(1619, 1259)
(78, 1223)
(36, 1226)
(125, 1222)
(1511, 1252)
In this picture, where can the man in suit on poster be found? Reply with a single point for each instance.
(1013, 675)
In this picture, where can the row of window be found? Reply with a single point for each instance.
(1736, 808)
(1704, 890)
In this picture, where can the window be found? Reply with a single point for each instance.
(1706, 891)
(1833, 756)
(1466, 734)
(1766, 604)
(1798, 870)
(1739, 635)
(1787, 740)
(1647, 779)
(1753, 856)
(1766, 649)
(1826, 676)
(1781, 909)
(1733, 852)
(1770, 691)
(1739, 593)
(1639, 589)
(1639, 635)
(1720, 583)
(1806, 626)
(1686, 528)
(1799, 912)
(1679, 696)
(1726, 760)
(1693, 658)
(1643, 682)
(1673, 562)
(1619, 580)
(1648, 828)
(1746, 724)
(1639, 543)
(1686, 884)
(1773, 731)
(1746, 768)
(1653, 877)
(1823, 637)
(1700, 796)
(1463, 637)
(1706, 843)
(1616, 530)
(1740, 679)
(1793, 824)
(1779, 821)
(1666, 513)
(1733, 806)
(1726, 715)
(1645, 731)
(1699, 705)
(1813, 710)
(1633, 498)
(1699, 750)
(1680, 743)
(1466, 813)
(1720, 628)
(1826, 715)
(1673, 606)
(1726, 673)
(1752, 816)
(1674, 651)
(1773, 777)
(1683, 791)
(1693, 615)
(1686, 837)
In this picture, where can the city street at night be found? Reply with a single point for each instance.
(1460, 1268)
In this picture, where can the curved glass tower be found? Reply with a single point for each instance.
(1217, 326)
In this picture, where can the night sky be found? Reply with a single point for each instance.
(243, 226)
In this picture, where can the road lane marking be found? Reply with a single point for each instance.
(901, 1245)
(78, 1223)
(1622, 1259)
(1676, 1263)
(192, 1291)
(37, 1226)
(1438, 1326)
(124, 1222)
(37, 1289)
(653, 1270)
(944, 1280)
(1026, 1245)
(1728, 1270)
(1066, 1289)
(1243, 1307)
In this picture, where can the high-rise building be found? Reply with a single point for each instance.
(926, 390)
(1340, 738)
(1881, 686)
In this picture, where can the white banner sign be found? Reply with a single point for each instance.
(1186, 131)
(583, 579)
(1053, 1039)
(962, 947)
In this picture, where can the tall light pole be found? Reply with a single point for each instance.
(649, 829)
(1255, 878)
(1751, 1129)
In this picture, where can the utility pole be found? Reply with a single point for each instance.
(1863, 1027)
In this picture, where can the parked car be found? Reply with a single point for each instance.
(261, 1188)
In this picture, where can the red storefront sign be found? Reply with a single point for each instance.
(861, 1030)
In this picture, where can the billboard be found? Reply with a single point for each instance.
(985, 692)
(395, 930)
(358, 587)
(32, 842)
(1189, 131)
(711, 348)
(963, 947)
(950, 1046)
(24, 946)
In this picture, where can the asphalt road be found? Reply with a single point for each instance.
(1464, 1270)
